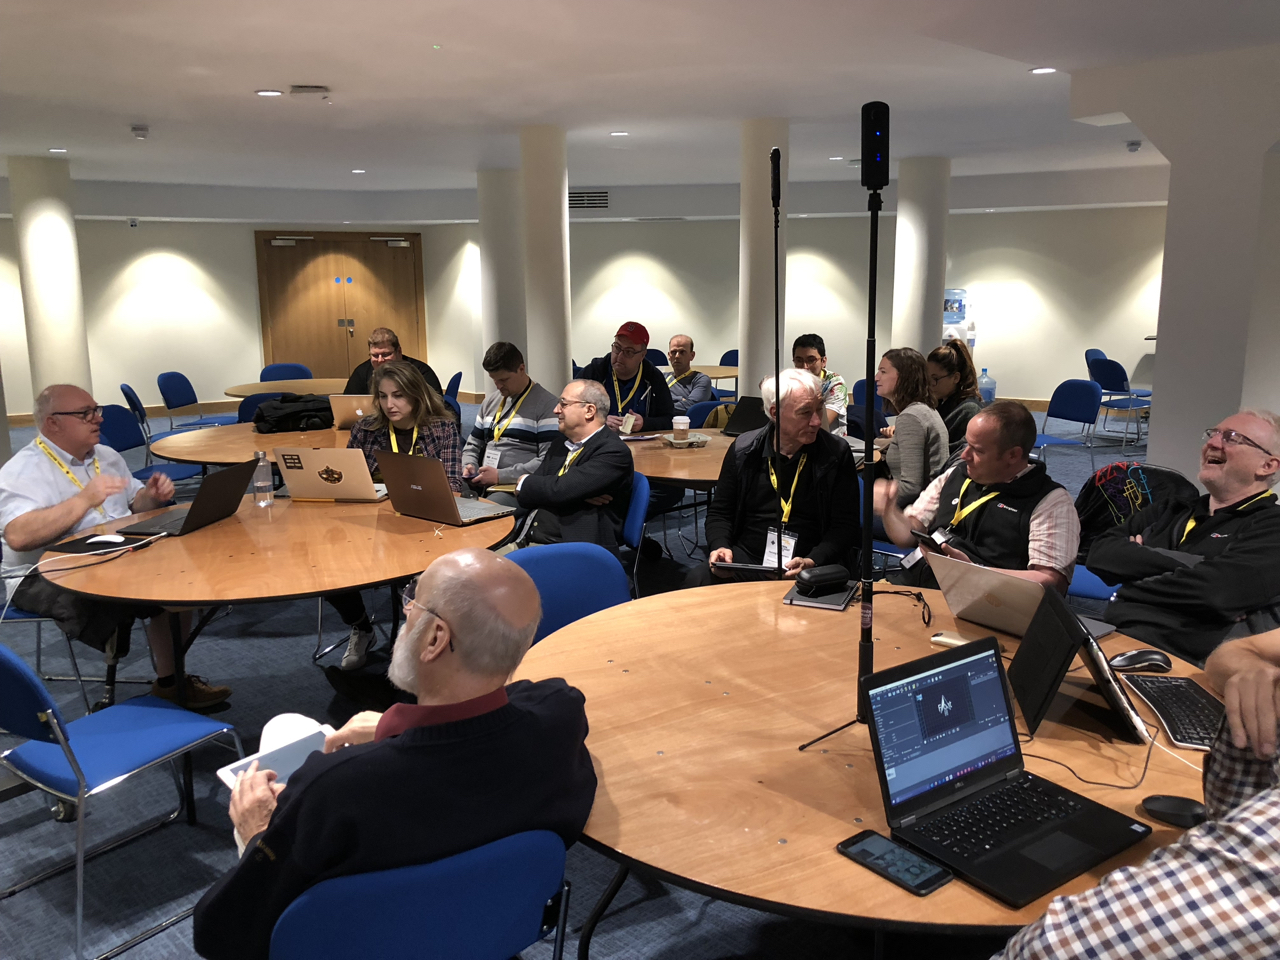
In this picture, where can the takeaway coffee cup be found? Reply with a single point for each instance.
(680, 428)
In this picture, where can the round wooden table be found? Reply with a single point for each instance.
(322, 385)
(222, 446)
(717, 373)
(697, 468)
(698, 701)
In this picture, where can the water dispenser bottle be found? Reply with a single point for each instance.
(986, 387)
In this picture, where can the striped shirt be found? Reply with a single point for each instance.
(526, 437)
(1213, 894)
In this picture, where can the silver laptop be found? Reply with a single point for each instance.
(993, 598)
(419, 487)
(348, 409)
(332, 474)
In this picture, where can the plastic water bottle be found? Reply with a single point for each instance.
(263, 494)
(986, 387)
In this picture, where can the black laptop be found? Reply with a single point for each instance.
(219, 497)
(955, 788)
(748, 414)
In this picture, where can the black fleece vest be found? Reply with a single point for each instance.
(996, 533)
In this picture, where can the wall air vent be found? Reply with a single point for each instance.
(588, 199)
(309, 90)
(657, 219)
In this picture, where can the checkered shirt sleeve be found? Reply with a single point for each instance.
(1214, 894)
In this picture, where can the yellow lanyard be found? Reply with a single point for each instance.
(672, 381)
(617, 391)
(786, 504)
(961, 513)
(498, 431)
(1191, 521)
(97, 470)
(569, 460)
(412, 443)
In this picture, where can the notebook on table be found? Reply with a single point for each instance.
(219, 497)
(419, 487)
(955, 788)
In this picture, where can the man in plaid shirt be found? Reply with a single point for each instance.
(1215, 893)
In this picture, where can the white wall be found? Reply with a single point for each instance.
(451, 281)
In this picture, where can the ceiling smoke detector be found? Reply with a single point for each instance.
(1134, 145)
(140, 131)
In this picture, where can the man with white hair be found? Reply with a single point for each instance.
(815, 489)
(64, 482)
(1194, 574)
(474, 760)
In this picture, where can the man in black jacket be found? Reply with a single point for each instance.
(815, 487)
(582, 489)
(472, 762)
(1192, 574)
(633, 384)
(384, 346)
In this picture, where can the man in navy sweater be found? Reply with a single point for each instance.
(473, 761)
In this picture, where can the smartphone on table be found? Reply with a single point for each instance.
(894, 862)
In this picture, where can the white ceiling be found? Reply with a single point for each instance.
(678, 75)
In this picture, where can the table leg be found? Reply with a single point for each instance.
(589, 928)
(180, 678)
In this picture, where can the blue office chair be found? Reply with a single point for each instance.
(1086, 583)
(577, 370)
(453, 404)
(699, 412)
(81, 759)
(285, 371)
(177, 393)
(560, 569)
(856, 413)
(1092, 354)
(723, 395)
(485, 904)
(656, 357)
(1113, 379)
(135, 404)
(13, 615)
(451, 390)
(1077, 401)
(859, 395)
(633, 526)
(729, 358)
(250, 404)
(120, 432)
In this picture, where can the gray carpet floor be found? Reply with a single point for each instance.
(264, 653)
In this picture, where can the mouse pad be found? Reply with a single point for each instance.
(82, 544)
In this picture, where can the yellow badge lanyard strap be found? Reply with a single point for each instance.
(412, 443)
(1191, 521)
(97, 470)
(498, 431)
(617, 391)
(568, 461)
(963, 511)
(786, 504)
(672, 381)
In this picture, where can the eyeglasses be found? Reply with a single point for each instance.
(88, 414)
(569, 403)
(946, 376)
(408, 598)
(618, 349)
(1234, 439)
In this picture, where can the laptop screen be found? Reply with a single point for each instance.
(941, 724)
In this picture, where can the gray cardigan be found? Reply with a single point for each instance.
(918, 451)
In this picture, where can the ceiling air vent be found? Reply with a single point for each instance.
(588, 199)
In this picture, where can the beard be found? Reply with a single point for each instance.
(403, 672)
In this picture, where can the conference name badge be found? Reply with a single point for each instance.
(491, 456)
(771, 548)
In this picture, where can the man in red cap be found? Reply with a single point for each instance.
(634, 385)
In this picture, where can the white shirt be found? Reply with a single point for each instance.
(31, 481)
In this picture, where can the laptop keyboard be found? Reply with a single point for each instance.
(1189, 713)
(995, 819)
(469, 509)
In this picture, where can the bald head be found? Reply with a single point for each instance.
(65, 414)
(59, 396)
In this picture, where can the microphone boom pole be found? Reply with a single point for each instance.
(775, 169)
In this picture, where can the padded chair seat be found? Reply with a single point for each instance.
(214, 420)
(13, 613)
(1126, 403)
(1049, 440)
(1085, 583)
(114, 742)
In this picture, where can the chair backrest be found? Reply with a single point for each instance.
(175, 390)
(483, 904)
(656, 357)
(1119, 490)
(23, 698)
(249, 405)
(856, 414)
(577, 370)
(729, 358)
(633, 528)
(1109, 374)
(454, 383)
(1092, 354)
(135, 403)
(698, 413)
(560, 570)
(455, 406)
(120, 429)
(285, 371)
(718, 418)
(1075, 400)
(859, 395)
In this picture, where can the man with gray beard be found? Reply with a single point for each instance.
(474, 760)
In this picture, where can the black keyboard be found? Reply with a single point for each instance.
(995, 819)
(1189, 713)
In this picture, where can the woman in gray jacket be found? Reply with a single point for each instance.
(919, 448)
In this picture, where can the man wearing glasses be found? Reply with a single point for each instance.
(62, 482)
(1192, 575)
(384, 346)
(634, 385)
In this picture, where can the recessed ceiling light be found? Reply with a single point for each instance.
(357, 171)
(346, 221)
(269, 93)
(990, 210)
(57, 149)
(835, 158)
(619, 133)
(435, 46)
(1043, 70)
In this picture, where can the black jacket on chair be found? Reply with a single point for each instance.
(604, 467)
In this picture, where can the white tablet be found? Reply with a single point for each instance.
(283, 760)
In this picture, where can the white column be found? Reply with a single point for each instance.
(49, 271)
(502, 287)
(544, 182)
(755, 254)
(1261, 382)
(920, 252)
(1206, 115)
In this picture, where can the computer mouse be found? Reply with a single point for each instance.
(1178, 811)
(1153, 661)
(106, 538)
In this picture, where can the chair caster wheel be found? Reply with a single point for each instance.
(65, 811)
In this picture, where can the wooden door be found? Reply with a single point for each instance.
(322, 295)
